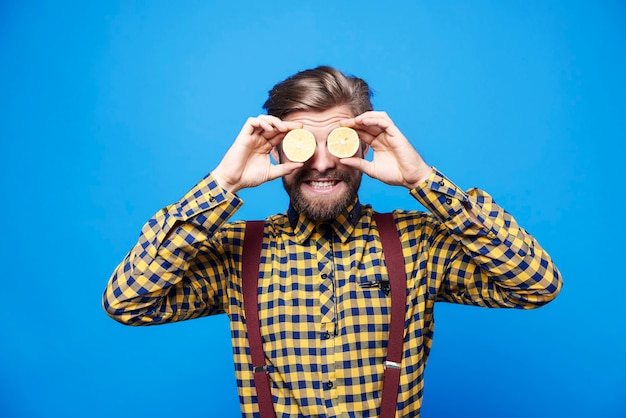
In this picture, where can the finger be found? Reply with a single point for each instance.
(289, 125)
(285, 127)
(267, 129)
(349, 123)
(277, 138)
(372, 123)
(372, 114)
(368, 134)
(276, 129)
(358, 163)
(270, 119)
(279, 124)
(280, 170)
(376, 120)
(365, 133)
(266, 123)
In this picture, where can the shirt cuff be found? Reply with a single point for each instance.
(204, 196)
(446, 201)
(196, 216)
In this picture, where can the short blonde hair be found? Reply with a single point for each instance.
(318, 89)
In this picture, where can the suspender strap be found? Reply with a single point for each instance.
(392, 251)
(252, 244)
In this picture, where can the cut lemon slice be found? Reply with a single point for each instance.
(343, 142)
(299, 145)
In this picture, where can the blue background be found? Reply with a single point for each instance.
(111, 110)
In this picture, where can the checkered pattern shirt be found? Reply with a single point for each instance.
(324, 315)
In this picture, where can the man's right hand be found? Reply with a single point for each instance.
(247, 163)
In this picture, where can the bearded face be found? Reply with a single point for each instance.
(323, 188)
(309, 196)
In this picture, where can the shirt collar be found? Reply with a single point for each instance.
(343, 225)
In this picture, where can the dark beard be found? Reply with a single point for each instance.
(324, 208)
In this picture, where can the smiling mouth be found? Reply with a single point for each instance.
(322, 184)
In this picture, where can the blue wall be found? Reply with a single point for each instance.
(110, 110)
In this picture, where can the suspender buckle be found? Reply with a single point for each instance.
(392, 365)
(261, 369)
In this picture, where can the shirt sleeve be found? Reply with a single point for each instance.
(493, 262)
(176, 270)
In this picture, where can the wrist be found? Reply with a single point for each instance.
(421, 176)
(226, 185)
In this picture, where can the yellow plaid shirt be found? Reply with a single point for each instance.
(323, 315)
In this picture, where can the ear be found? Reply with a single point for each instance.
(275, 153)
(364, 149)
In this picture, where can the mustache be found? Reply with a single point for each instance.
(316, 175)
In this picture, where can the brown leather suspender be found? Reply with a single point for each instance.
(252, 243)
(392, 251)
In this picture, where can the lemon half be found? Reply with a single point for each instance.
(343, 142)
(299, 145)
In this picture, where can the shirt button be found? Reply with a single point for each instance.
(442, 183)
(327, 335)
(448, 200)
(329, 385)
(211, 198)
(324, 275)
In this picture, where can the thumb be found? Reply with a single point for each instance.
(360, 164)
(280, 170)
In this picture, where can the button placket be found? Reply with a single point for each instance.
(326, 286)
(327, 313)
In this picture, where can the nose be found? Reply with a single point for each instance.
(322, 160)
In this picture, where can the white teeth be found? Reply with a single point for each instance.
(322, 184)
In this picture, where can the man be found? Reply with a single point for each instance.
(323, 313)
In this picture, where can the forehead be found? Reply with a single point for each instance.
(325, 118)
